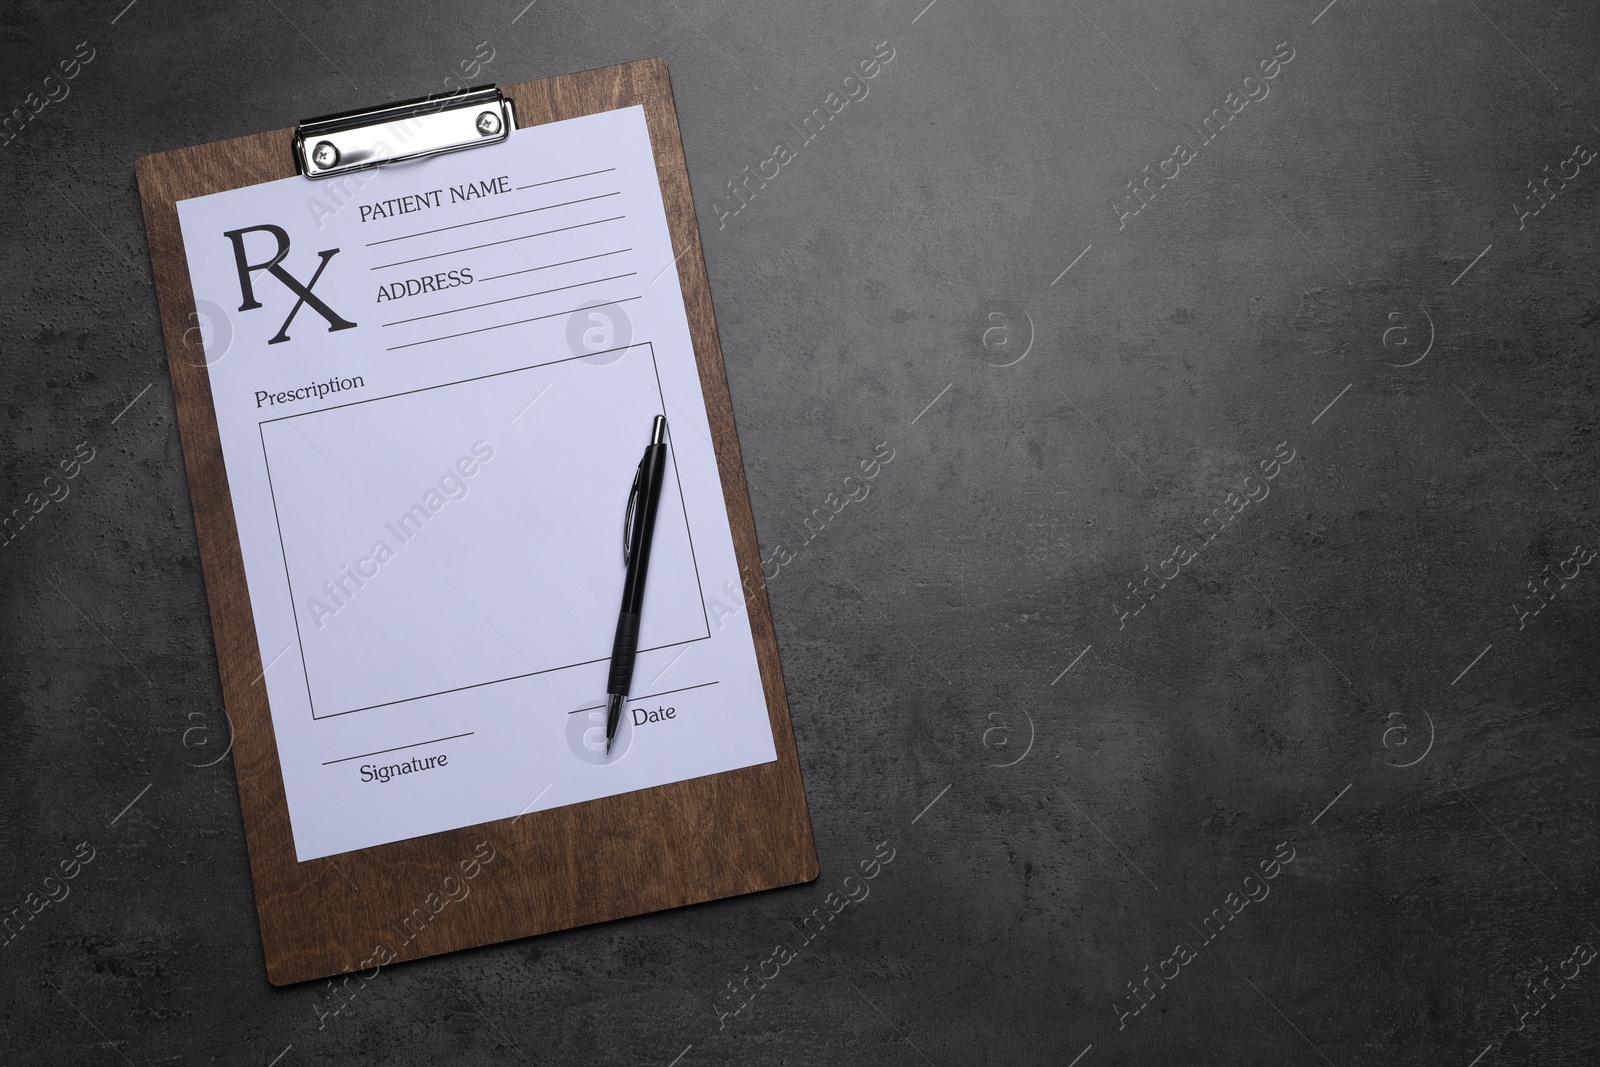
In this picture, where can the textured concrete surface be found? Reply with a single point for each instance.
(1349, 673)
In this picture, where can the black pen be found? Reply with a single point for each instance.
(638, 530)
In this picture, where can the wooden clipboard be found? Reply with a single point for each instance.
(684, 843)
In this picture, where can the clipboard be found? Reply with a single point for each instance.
(692, 841)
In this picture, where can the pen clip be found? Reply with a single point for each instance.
(627, 516)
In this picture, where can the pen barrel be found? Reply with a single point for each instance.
(652, 475)
(652, 472)
(623, 648)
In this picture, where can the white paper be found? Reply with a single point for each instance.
(429, 479)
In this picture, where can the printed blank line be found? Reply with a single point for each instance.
(1063, 274)
(646, 696)
(131, 803)
(931, 803)
(501, 326)
(1107, 840)
(1324, 12)
(490, 218)
(547, 266)
(932, 402)
(480, 685)
(491, 244)
(1335, 400)
(509, 299)
(1331, 803)
(1474, 263)
(921, 13)
(1481, 1055)
(143, 391)
(1473, 664)
(1080, 1056)
(685, 1052)
(397, 748)
(1071, 665)
(570, 177)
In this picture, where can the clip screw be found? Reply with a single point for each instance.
(488, 124)
(325, 155)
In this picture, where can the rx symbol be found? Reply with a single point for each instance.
(274, 267)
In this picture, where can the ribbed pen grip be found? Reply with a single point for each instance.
(622, 652)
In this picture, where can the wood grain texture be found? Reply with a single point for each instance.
(679, 844)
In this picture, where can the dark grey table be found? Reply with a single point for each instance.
(1209, 656)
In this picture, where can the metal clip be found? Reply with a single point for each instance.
(627, 516)
(426, 126)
